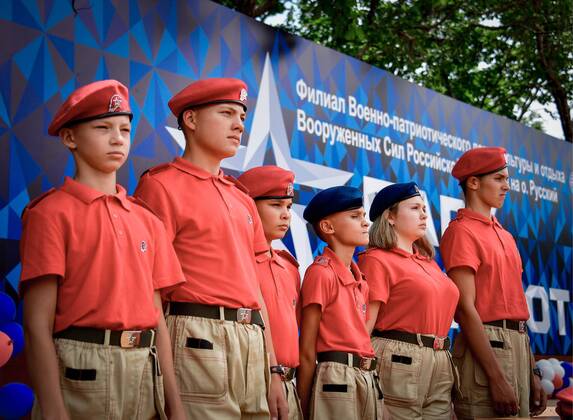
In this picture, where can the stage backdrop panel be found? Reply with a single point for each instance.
(331, 119)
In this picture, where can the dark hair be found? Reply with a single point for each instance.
(317, 231)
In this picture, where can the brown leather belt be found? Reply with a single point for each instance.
(436, 343)
(349, 359)
(240, 315)
(510, 324)
(125, 339)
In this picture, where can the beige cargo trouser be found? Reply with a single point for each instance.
(417, 381)
(344, 392)
(294, 408)
(221, 368)
(512, 351)
(108, 382)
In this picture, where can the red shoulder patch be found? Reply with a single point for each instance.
(287, 256)
(36, 200)
(322, 260)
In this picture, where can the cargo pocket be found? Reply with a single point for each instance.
(334, 392)
(400, 375)
(200, 363)
(501, 346)
(84, 379)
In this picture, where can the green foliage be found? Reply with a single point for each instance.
(259, 9)
(498, 55)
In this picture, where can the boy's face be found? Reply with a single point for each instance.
(350, 227)
(275, 216)
(217, 129)
(101, 144)
(410, 218)
(491, 189)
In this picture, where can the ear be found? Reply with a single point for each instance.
(473, 183)
(67, 138)
(389, 216)
(326, 227)
(189, 119)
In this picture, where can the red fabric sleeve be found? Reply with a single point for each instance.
(459, 248)
(42, 245)
(318, 286)
(377, 276)
(155, 196)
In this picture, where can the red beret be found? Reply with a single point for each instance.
(100, 99)
(209, 91)
(479, 161)
(266, 182)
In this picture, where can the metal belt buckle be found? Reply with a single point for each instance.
(244, 315)
(130, 339)
(289, 374)
(521, 326)
(439, 343)
(366, 363)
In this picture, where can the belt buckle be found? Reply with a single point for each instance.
(522, 326)
(244, 315)
(289, 374)
(366, 363)
(130, 339)
(439, 343)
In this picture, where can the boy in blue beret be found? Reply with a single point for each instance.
(333, 328)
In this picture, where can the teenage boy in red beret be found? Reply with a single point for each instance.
(93, 262)
(492, 352)
(216, 317)
(272, 189)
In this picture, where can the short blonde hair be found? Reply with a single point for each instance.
(382, 235)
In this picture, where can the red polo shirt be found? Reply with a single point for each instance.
(109, 252)
(418, 297)
(215, 229)
(280, 285)
(342, 295)
(481, 244)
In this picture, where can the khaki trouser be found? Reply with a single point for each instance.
(514, 359)
(344, 392)
(417, 381)
(221, 367)
(294, 408)
(108, 382)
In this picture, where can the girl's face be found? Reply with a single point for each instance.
(409, 220)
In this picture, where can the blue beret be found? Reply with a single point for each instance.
(391, 195)
(332, 200)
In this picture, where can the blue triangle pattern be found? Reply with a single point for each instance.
(20, 201)
(59, 11)
(120, 46)
(50, 77)
(6, 10)
(83, 35)
(101, 72)
(65, 48)
(22, 164)
(13, 276)
(26, 57)
(22, 14)
(14, 225)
